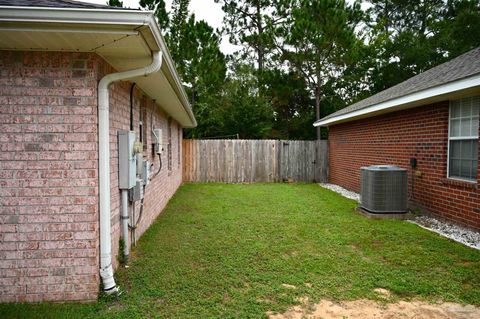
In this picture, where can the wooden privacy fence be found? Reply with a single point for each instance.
(248, 161)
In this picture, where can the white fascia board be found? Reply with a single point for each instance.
(102, 17)
(407, 100)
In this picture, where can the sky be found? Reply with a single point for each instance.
(206, 10)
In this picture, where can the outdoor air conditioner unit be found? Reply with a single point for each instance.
(383, 189)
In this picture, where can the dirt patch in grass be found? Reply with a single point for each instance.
(288, 286)
(368, 309)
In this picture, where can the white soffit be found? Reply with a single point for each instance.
(123, 38)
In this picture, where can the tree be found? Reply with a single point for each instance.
(158, 6)
(195, 49)
(238, 109)
(243, 110)
(204, 65)
(293, 107)
(178, 29)
(320, 42)
(404, 39)
(115, 3)
(459, 30)
(251, 23)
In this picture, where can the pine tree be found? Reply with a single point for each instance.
(320, 40)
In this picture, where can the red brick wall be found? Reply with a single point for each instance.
(48, 174)
(393, 139)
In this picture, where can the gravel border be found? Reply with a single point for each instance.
(342, 191)
(457, 233)
(446, 229)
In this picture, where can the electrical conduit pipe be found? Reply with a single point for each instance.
(106, 268)
(124, 223)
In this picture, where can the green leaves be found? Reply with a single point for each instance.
(304, 59)
(194, 46)
(409, 37)
(115, 3)
(160, 11)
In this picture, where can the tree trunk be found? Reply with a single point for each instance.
(260, 48)
(192, 103)
(387, 17)
(317, 108)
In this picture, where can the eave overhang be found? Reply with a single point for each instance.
(123, 38)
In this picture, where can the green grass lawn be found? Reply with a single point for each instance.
(225, 251)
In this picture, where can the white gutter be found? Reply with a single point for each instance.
(407, 100)
(106, 269)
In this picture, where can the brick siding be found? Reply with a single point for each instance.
(395, 138)
(49, 177)
(164, 185)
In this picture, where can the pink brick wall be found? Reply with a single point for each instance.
(48, 177)
(48, 174)
(164, 185)
(393, 139)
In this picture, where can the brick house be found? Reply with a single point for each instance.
(433, 117)
(72, 76)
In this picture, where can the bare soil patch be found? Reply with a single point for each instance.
(368, 309)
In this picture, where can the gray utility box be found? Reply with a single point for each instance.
(136, 193)
(146, 173)
(126, 160)
(383, 189)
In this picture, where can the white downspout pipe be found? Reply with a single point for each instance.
(106, 269)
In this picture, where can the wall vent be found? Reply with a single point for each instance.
(383, 189)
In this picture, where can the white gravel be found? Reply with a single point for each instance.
(342, 191)
(457, 233)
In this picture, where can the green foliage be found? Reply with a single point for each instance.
(409, 37)
(251, 23)
(204, 66)
(225, 251)
(245, 111)
(293, 107)
(238, 109)
(194, 46)
(459, 30)
(310, 58)
(320, 41)
(160, 12)
(115, 3)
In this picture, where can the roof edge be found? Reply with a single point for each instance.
(98, 16)
(155, 28)
(414, 99)
(73, 15)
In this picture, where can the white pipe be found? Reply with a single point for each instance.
(106, 269)
(124, 225)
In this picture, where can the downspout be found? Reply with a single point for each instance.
(106, 269)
